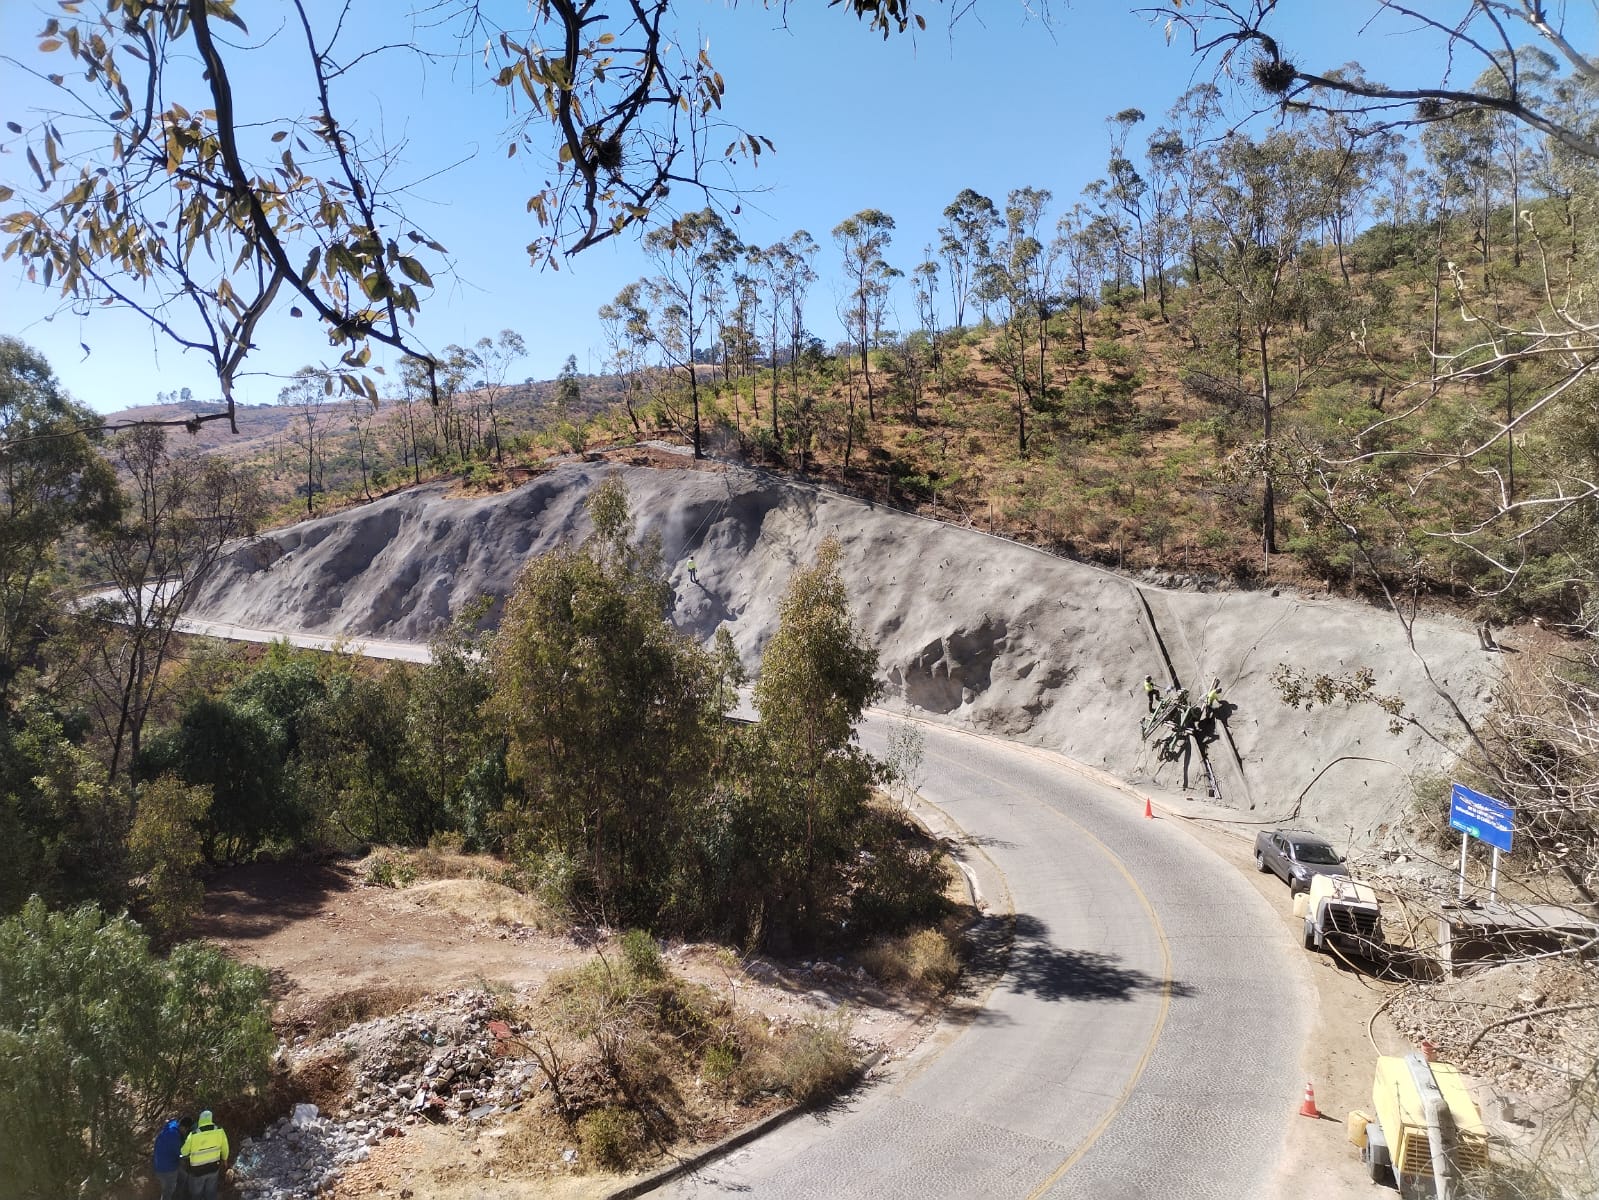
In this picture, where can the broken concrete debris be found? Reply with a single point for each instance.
(442, 1063)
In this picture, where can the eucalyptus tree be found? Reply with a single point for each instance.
(568, 389)
(1019, 278)
(182, 510)
(1164, 153)
(1125, 188)
(1082, 253)
(1192, 119)
(965, 241)
(798, 279)
(360, 413)
(1348, 155)
(862, 240)
(690, 256)
(788, 273)
(308, 394)
(490, 361)
(52, 481)
(625, 325)
(924, 286)
(740, 332)
(770, 265)
(1265, 200)
(1461, 151)
(817, 675)
(607, 711)
(921, 350)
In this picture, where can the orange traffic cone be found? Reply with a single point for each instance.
(1148, 811)
(1308, 1108)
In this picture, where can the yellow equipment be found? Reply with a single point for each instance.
(1427, 1132)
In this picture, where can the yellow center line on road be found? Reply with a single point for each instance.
(1121, 1100)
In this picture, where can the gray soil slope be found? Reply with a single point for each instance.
(971, 629)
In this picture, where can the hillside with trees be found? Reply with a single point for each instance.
(1350, 349)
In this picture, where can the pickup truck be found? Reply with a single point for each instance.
(1296, 855)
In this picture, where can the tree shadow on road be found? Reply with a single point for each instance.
(979, 841)
(1053, 972)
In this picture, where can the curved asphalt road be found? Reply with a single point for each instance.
(1138, 1036)
(1142, 1039)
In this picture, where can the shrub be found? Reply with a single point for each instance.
(718, 1063)
(815, 1060)
(926, 960)
(613, 1137)
(642, 955)
(900, 879)
(162, 847)
(62, 826)
(98, 1041)
(555, 879)
(390, 871)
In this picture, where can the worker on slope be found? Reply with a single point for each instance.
(1151, 690)
(205, 1153)
(164, 1159)
(1212, 700)
(693, 572)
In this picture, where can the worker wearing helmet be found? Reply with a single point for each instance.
(205, 1153)
(164, 1158)
(1151, 690)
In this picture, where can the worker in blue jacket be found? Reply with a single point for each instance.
(168, 1166)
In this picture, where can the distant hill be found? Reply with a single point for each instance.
(258, 425)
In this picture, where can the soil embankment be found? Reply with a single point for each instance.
(970, 628)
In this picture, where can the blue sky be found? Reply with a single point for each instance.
(999, 102)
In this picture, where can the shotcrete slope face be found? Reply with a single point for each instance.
(970, 629)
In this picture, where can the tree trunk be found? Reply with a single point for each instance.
(849, 429)
(866, 363)
(1437, 288)
(1268, 509)
(1510, 435)
(694, 395)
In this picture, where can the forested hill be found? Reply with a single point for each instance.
(1264, 408)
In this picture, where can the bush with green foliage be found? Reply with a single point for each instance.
(236, 747)
(612, 1137)
(100, 1040)
(164, 852)
(61, 823)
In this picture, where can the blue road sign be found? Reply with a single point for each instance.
(1482, 817)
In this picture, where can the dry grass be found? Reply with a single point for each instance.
(925, 960)
(463, 885)
(808, 1062)
(482, 900)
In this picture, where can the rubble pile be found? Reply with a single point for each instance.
(444, 1061)
(1529, 1025)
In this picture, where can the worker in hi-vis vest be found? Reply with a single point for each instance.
(205, 1153)
(1151, 690)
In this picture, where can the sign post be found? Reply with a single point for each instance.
(1487, 820)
